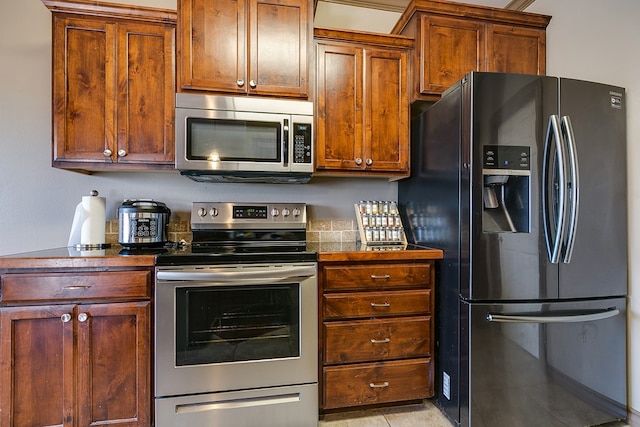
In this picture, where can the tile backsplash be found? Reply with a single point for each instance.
(320, 231)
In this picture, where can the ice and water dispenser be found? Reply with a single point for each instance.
(506, 190)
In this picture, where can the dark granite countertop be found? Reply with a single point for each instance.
(117, 256)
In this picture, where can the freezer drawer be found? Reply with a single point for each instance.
(562, 364)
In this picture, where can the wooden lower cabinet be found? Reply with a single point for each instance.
(377, 333)
(76, 362)
(373, 383)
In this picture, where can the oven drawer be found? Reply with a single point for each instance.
(295, 405)
(373, 383)
(366, 276)
(376, 304)
(378, 339)
(45, 287)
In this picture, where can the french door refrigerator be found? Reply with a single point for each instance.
(522, 181)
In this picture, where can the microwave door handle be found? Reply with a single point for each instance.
(285, 142)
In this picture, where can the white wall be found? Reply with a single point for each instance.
(37, 202)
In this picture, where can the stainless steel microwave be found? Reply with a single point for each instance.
(243, 139)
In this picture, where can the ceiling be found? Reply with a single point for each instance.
(399, 5)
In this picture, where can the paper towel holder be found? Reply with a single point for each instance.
(76, 229)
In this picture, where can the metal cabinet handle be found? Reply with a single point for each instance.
(240, 82)
(82, 317)
(65, 318)
(122, 153)
(384, 276)
(107, 153)
(253, 83)
(75, 288)
(384, 341)
(369, 162)
(384, 304)
(383, 385)
(358, 161)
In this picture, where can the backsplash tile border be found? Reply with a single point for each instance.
(318, 231)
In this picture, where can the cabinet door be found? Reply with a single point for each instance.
(450, 49)
(516, 50)
(114, 373)
(36, 366)
(279, 32)
(146, 94)
(339, 137)
(84, 122)
(213, 43)
(386, 111)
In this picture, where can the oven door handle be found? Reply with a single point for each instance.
(256, 276)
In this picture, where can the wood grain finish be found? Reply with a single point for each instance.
(453, 39)
(377, 337)
(113, 87)
(67, 361)
(362, 112)
(20, 288)
(250, 47)
(366, 276)
(375, 383)
(376, 304)
(114, 375)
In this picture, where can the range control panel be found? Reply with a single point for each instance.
(228, 215)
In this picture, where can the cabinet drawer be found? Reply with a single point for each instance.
(378, 339)
(361, 276)
(376, 304)
(75, 286)
(371, 383)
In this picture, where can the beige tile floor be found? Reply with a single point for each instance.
(426, 414)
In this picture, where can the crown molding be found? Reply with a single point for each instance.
(400, 5)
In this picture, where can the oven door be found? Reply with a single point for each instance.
(235, 327)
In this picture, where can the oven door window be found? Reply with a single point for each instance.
(237, 323)
(233, 140)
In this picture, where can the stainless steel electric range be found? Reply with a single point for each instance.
(236, 320)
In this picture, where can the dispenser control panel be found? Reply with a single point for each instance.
(510, 157)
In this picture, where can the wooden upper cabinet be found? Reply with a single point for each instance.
(454, 48)
(362, 104)
(453, 39)
(113, 87)
(255, 47)
(516, 50)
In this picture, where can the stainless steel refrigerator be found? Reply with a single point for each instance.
(521, 180)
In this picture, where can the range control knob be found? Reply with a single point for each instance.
(213, 212)
(202, 212)
(275, 212)
(285, 212)
(296, 212)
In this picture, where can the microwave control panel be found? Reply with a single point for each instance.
(302, 143)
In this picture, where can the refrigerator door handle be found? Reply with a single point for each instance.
(572, 187)
(553, 237)
(550, 318)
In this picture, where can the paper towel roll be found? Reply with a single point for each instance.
(88, 228)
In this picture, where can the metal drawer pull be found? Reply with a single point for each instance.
(385, 276)
(375, 341)
(65, 318)
(75, 288)
(384, 304)
(83, 317)
(383, 385)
